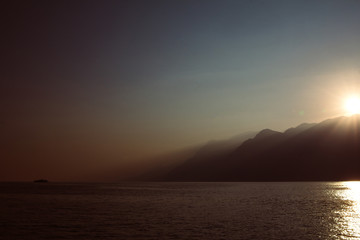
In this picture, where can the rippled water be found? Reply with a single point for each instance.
(320, 210)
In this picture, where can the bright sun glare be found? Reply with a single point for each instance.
(352, 105)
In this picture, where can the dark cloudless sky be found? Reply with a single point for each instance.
(87, 85)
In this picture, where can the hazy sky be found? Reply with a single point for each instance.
(87, 85)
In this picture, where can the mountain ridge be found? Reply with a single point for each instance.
(329, 150)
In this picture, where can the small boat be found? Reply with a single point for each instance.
(41, 181)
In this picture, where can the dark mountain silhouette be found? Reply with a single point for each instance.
(326, 151)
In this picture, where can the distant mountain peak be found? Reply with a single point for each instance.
(266, 133)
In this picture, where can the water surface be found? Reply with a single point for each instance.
(303, 210)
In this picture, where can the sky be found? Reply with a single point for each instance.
(91, 85)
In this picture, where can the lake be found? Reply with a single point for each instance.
(284, 210)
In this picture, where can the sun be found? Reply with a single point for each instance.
(352, 105)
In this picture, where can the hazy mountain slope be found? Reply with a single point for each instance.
(193, 156)
(329, 150)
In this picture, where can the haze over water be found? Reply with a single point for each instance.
(302, 210)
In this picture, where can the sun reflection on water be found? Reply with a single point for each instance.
(350, 216)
